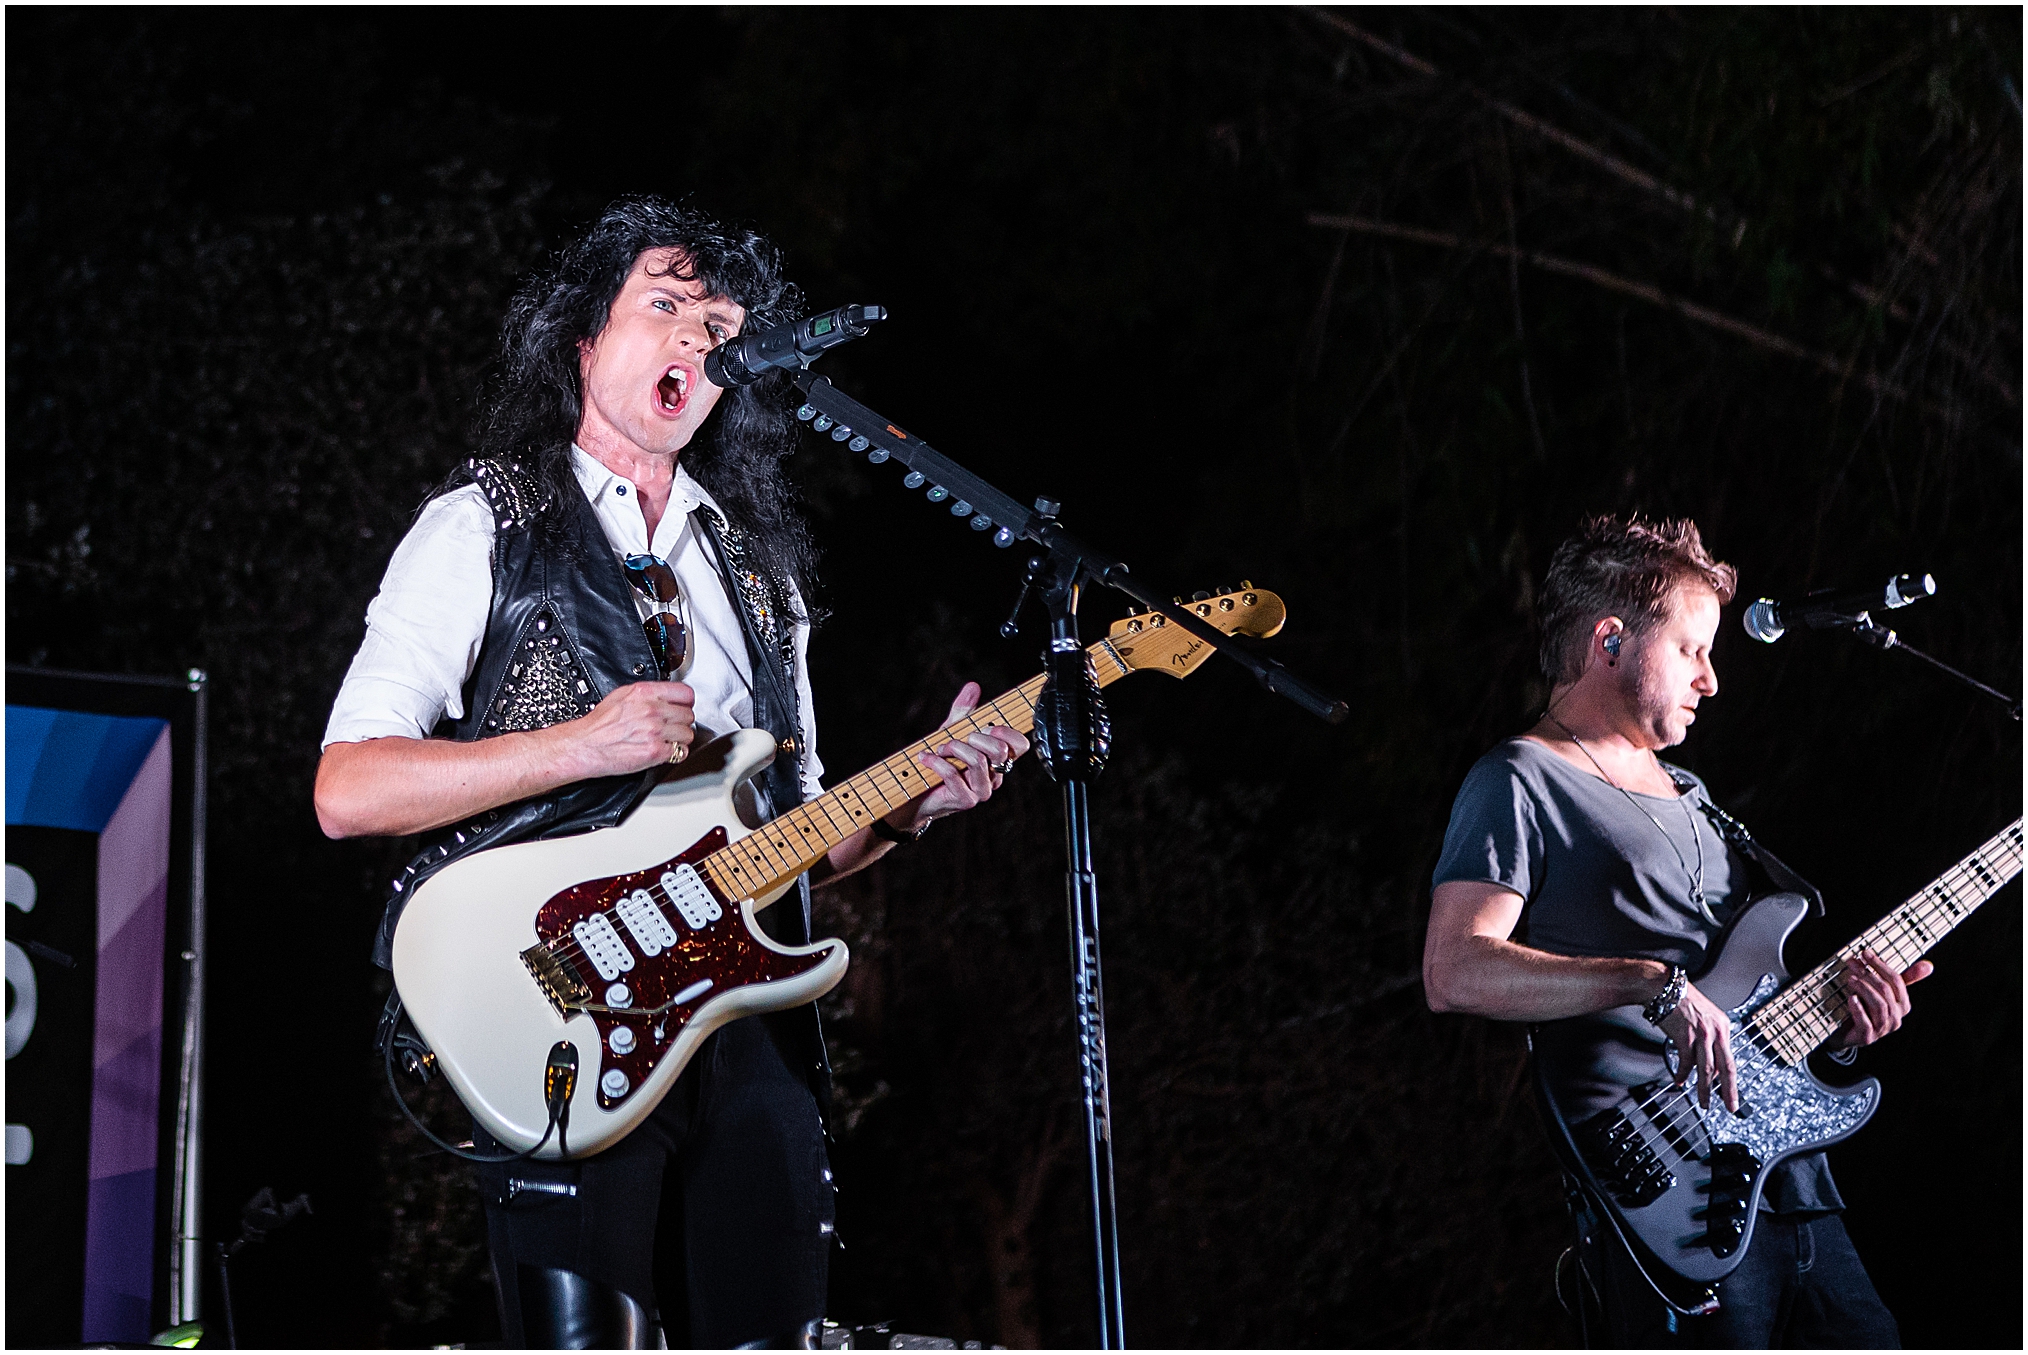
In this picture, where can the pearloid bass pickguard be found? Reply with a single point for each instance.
(1787, 1111)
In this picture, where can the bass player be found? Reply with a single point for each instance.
(619, 575)
(1578, 876)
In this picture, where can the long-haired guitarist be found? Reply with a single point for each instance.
(1580, 885)
(623, 506)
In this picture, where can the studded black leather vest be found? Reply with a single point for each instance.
(562, 633)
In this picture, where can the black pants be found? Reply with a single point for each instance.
(716, 1211)
(1800, 1286)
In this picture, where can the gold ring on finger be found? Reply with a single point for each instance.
(678, 752)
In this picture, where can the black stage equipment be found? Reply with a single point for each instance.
(258, 1217)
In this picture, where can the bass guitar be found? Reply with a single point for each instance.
(1681, 1185)
(617, 951)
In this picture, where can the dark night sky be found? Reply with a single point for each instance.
(255, 266)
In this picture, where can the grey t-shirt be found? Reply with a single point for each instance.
(1605, 876)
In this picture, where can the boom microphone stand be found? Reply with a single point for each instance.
(1072, 734)
(1880, 637)
(1767, 621)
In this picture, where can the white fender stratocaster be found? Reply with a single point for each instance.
(633, 943)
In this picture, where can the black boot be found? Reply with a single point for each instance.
(562, 1310)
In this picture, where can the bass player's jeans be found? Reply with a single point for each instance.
(719, 1204)
(1800, 1285)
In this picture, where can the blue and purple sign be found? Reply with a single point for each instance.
(89, 809)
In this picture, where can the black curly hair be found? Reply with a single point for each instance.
(535, 400)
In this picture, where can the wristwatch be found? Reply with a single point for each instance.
(1663, 1004)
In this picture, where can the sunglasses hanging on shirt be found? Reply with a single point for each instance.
(660, 602)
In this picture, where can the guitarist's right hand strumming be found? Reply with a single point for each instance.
(1700, 1032)
(632, 729)
(394, 786)
(1876, 1000)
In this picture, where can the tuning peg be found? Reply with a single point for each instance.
(1246, 583)
(913, 480)
(1199, 595)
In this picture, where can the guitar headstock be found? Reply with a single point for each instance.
(1150, 641)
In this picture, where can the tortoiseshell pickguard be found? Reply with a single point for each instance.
(723, 951)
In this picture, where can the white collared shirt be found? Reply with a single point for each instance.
(425, 626)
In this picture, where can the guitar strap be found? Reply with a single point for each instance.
(756, 597)
(1777, 873)
(765, 599)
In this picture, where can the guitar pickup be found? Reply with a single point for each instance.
(1732, 1171)
(1622, 1160)
(557, 978)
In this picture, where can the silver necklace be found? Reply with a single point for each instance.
(1696, 881)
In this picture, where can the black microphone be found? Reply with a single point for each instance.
(1768, 620)
(793, 346)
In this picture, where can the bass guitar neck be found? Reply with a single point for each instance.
(1810, 1010)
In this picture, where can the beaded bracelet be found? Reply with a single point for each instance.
(1662, 1005)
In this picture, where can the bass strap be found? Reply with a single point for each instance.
(1777, 872)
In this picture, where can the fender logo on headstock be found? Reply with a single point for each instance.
(1149, 641)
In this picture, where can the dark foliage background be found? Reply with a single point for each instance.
(255, 266)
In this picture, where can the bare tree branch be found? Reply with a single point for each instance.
(1641, 291)
(1577, 146)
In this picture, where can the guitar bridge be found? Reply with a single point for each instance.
(559, 981)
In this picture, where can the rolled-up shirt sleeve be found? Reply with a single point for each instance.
(423, 628)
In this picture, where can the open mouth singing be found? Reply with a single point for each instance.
(673, 388)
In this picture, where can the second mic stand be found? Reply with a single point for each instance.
(1880, 637)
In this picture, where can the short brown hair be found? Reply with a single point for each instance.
(1624, 567)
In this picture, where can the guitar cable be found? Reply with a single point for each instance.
(559, 1080)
